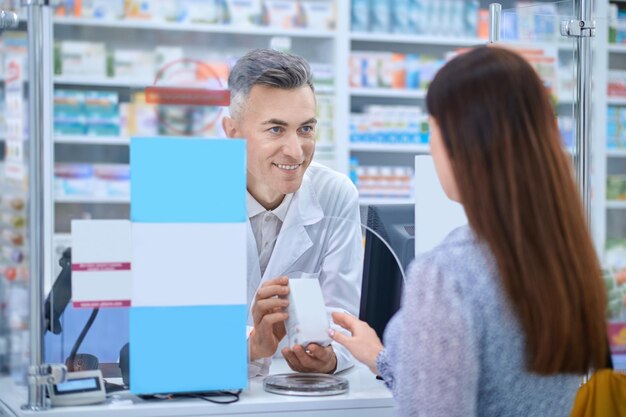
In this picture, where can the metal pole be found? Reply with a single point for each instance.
(583, 108)
(38, 14)
(495, 12)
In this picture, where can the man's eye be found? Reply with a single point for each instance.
(307, 129)
(276, 129)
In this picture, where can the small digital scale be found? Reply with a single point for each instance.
(79, 388)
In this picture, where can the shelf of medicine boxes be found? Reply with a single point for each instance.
(388, 93)
(616, 204)
(616, 101)
(451, 41)
(387, 201)
(124, 140)
(616, 153)
(390, 147)
(92, 200)
(617, 48)
(194, 27)
(136, 83)
(415, 39)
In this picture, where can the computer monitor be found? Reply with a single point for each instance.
(382, 285)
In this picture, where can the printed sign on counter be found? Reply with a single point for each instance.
(101, 269)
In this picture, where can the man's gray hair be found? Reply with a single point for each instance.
(266, 67)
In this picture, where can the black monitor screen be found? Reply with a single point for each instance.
(382, 285)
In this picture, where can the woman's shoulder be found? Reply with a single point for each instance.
(461, 261)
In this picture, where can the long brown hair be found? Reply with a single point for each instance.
(516, 185)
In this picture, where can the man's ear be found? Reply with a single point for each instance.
(230, 127)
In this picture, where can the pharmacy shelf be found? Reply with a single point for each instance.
(613, 204)
(387, 92)
(93, 140)
(616, 101)
(617, 49)
(531, 44)
(102, 82)
(136, 83)
(194, 27)
(91, 200)
(450, 41)
(616, 153)
(415, 39)
(391, 148)
(386, 201)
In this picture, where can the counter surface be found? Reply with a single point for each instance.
(368, 397)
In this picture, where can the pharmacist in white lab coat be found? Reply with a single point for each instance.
(303, 217)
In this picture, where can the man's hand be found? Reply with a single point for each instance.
(269, 315)
(314, 358)
(364, 343)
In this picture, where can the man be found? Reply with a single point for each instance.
(303, 216)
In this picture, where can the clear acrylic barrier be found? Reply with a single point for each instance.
(337, 253)
(104, 95)
(534, 30)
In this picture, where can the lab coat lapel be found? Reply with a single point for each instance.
(254, 268)
(293, 239)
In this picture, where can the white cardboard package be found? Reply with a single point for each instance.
(308, 321)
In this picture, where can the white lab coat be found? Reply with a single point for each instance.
(321, 235)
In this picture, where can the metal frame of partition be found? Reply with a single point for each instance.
(40, 109)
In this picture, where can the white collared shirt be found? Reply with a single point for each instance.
(266, 225)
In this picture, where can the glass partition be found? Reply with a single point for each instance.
(533, 29)
(123, 72)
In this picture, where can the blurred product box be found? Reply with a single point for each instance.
(283, 14)
(112, 180)
(73, 180)
(380, 16)
(360, 15)
(390, 125)
(102, 113)
(616, 127)
(616, 187)
(137, 64)
(384, 181)
(69, 116)
(392, 70)
(81, 59)
(617, 83)
(318, 15)
(400, 13)
(244, 13)
(201, 11)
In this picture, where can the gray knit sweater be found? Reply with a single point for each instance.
(455, 348)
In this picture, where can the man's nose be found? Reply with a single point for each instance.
(293, 147)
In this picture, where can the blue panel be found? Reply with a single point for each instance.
(182, 180)
(188, 349)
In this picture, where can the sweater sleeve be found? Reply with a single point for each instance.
(431, 358)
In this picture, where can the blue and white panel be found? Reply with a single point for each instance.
(188, 315)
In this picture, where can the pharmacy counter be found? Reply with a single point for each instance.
(368, 397)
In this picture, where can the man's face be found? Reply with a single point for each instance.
(279, 126)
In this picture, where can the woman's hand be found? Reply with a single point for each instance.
(364, 343)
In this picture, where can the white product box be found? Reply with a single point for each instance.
(308, 320)
(101, 256)
(281, 13)
(85, 59)
(318, 15)
(133, 64)
(244, 13)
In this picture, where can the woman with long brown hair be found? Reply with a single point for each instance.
(506, 314)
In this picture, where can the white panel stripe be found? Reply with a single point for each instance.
(186, 264)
